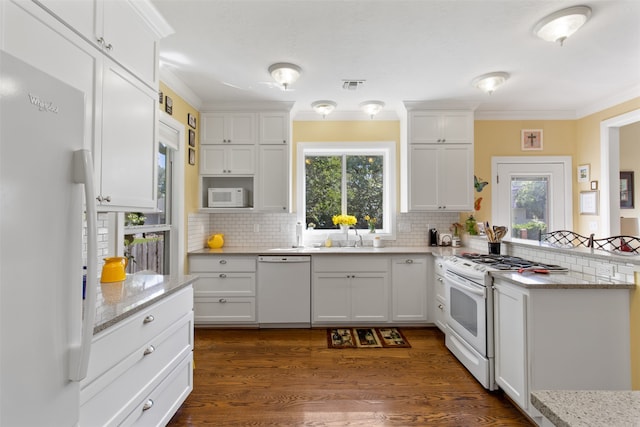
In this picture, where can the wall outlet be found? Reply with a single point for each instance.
(605, 270)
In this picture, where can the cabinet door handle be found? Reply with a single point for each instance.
(100, 41)
(223, 261)
(147, 405)
(222, 300)
(148, 319)
(439, 265)
(103, 199)
(149, 350)
(441, 307)
(284, 141)
(222, 276)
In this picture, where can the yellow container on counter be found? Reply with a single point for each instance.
(216, 241)
(113, 269)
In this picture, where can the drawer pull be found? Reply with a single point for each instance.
(222, 300)
(223, 261)
(440, 279)
(409, 261)
(441, 307)
(149, 350)
(222, 276)
(147, 405)
(148, 319)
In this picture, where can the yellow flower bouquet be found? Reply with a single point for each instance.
(344, 220)
(371, 222)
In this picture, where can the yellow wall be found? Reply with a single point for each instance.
(630, 161)
(588, 152)
(180, 111)
(345, 131)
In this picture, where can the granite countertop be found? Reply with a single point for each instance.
(588, 408)
(559, 281)
(391, 250)
(118, 300)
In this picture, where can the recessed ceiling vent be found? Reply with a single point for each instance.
(352, 84)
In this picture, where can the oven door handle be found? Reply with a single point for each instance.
(473, 290)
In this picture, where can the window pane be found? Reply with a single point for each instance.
(323, 176)
(364, 189)
(529, 206)
(146, 251)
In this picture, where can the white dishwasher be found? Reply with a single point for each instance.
(284, 291)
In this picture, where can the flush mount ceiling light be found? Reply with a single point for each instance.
(285, 73)
(323, 107)
(561, 24)
(490, 81)
(372, 107)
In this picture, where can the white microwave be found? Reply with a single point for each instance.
(228, 198)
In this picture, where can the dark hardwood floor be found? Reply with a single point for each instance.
(288, 377)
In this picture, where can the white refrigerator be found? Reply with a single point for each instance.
(45, 176)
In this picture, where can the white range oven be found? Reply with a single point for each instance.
(469, 316)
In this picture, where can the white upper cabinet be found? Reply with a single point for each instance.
(441, 177)
(274, 128)
(440, 127)
(227, 160)
(273, 180)
(120, 110)
(440, 159)
(129, 32)
(228, 128)
(125, 157)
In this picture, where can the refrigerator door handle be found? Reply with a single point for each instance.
(79, 353)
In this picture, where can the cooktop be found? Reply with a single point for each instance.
(506, 262)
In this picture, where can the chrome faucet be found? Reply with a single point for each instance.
(358, 236)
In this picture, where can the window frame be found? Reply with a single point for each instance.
(386, 149)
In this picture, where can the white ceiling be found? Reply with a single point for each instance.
(416, 50)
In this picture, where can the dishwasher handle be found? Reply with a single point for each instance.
(283, 258)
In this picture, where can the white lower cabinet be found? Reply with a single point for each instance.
(438, 298)
(560, 339)
(353, 289)
(140, 368)
(409, 289)
(225, 292)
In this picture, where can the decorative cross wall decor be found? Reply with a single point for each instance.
(531, 139)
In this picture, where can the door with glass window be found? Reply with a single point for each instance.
(532, 197)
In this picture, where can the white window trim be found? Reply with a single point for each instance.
(177, 205)
(385, 148)
(567, 184)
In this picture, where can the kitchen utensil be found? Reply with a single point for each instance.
(113, 269)
(533, 270)
(216, 241)
(489, 231)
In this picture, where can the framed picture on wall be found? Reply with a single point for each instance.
(588, 203)
(583, 173)
(626, 190)
(192, 156)
(531, 139)
(192, 138)
(191, 119)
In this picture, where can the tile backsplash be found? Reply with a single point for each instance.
(279, 230)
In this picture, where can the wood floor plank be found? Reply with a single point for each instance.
(288, 377)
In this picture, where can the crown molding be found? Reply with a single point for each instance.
(524, 115)
(610, 101)
(247, 106)
(152, 17)
(178, 86)
(352, 116)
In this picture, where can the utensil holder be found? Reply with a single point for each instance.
(494, 248)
